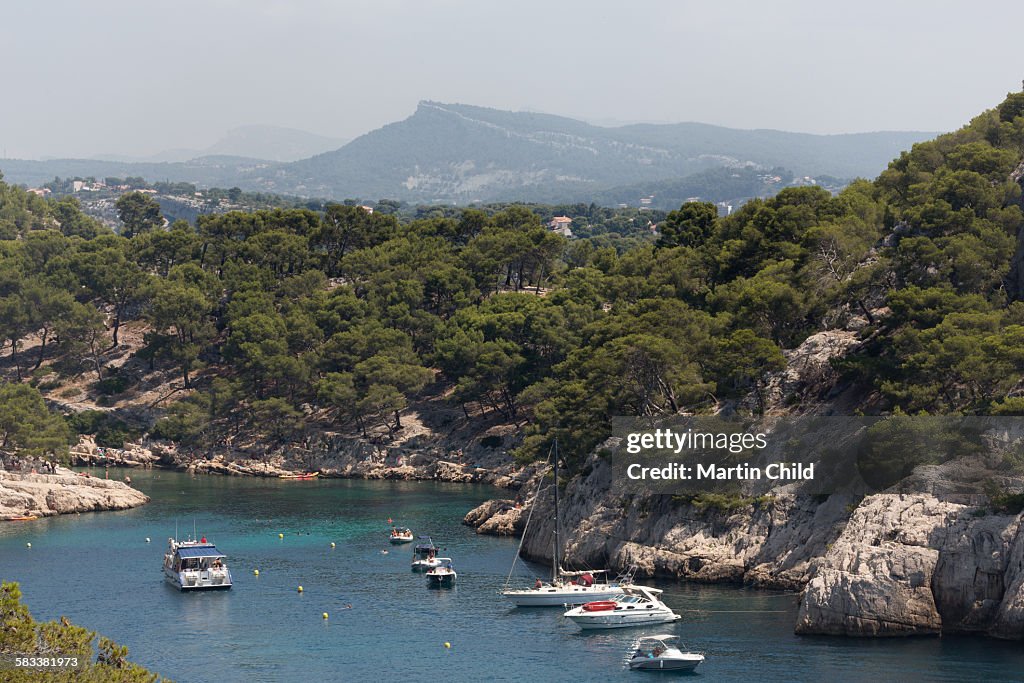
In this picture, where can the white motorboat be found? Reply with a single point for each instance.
(442, 576)
(565, 587)
(660, 653)
(195, 565)
(637, 606)
(401, 535)
(424, 555)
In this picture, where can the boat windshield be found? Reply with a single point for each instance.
(630, 599)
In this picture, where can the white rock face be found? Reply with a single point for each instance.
(43, 495)
(914, 565)
(772, 543)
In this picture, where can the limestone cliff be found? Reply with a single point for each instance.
(914, 564)
(889, 564)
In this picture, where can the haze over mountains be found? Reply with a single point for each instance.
(271, 143)
(455, 153)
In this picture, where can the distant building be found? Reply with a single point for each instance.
(77, 185)
(367, 209)
(41, 191)
(560, 224)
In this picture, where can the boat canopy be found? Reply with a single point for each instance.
(206, 551)
(661, 637)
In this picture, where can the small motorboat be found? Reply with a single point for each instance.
(637, 606)
(22, 518)
(195, 565)
(660, 653)
(443, 575)
(424, 555)
(303, 475)
(401, 535)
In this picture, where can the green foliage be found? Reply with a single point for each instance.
(689, 226)
(278, 319)
(110, 432)
(27, 425)
(22, 635)
(139, 213)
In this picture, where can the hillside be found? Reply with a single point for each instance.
(461, 153)
(308, 339)
(453, 153)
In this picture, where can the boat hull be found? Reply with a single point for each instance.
(424, 565)
(203, 581)
(621, 619)
(559, 597)
(446, 581)
(664, 664)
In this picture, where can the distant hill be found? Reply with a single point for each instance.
(455, 153)
(210, 171)
(270, 143)
(463, 153)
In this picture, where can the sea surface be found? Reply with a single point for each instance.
(98, 570)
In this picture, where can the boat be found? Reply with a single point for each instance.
(424, 555)
(637, 606)
(23, 518)
(304, 475)
(565, 587)
(660, 653)
(195, 565)
(401, 535)
(443, 575)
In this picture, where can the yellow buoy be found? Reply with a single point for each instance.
(280, 535)
(332, 544)
(300, 589)
(448, 646)
(256, 572)
(325, 615)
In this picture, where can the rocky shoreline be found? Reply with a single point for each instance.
(332, 455)
(886, 565)
(45, 495)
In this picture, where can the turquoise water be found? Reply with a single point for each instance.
(98, 570)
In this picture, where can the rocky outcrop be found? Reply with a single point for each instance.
(918, 565)
(497, 518)
(44, 495)
(771, 542)
(87, 452)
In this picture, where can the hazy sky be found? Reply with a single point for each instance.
(135, 77)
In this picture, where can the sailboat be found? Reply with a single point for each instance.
(565, 587)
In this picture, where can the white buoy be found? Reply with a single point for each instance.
(332, 544)
(28, 545)
(147, 539)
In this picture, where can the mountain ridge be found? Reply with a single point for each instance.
(463, 154)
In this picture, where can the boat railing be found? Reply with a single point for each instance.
(626, 577)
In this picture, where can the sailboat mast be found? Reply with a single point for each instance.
(557, 563)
